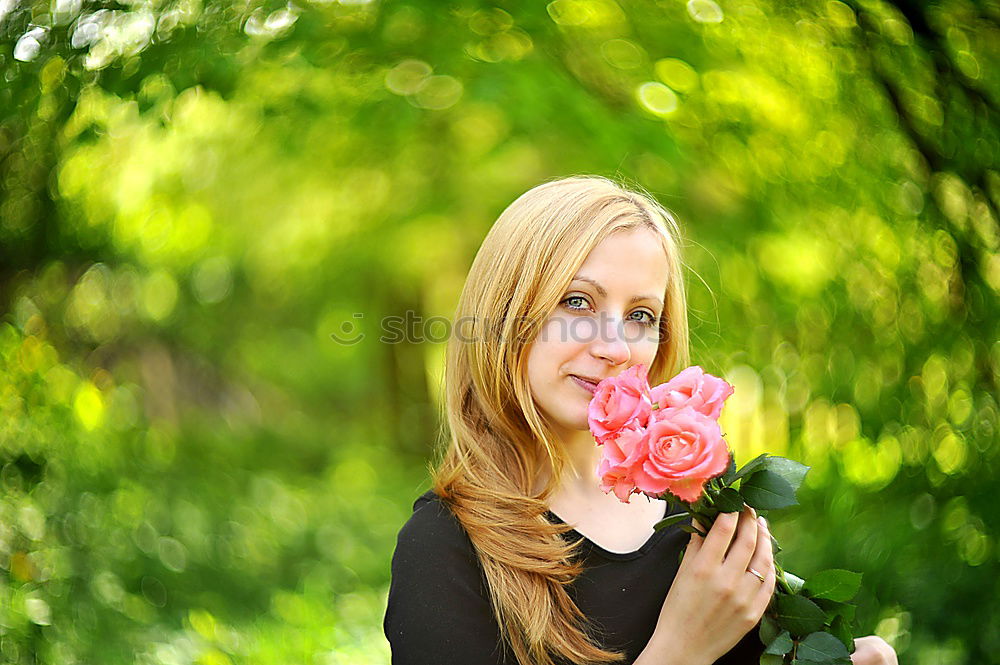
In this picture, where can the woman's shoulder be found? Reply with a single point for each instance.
(433, 530)
(430, 512)
(427, 498)
(438, 608)
(434, 557)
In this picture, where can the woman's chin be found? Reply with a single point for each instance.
(572, 424)
(580, 424)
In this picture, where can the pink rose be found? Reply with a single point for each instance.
(619, 402)
(693, 387)
(683, 450)
(619, 458)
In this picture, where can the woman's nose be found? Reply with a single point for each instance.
(610, 343)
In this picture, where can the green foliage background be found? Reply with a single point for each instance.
(196, 196)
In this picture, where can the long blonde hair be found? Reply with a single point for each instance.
(498, 441)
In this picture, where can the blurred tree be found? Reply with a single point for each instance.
(230, 238)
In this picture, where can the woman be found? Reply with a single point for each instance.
(516, 556)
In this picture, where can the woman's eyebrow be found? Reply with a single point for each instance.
(601, 291)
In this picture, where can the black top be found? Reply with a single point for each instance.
(439, 611)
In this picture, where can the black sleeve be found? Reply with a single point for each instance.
(438, 611)
(747, 651)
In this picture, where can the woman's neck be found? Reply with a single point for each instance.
(579, 477)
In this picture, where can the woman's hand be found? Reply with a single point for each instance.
(714, 600)
(872, 650)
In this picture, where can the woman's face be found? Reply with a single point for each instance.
(606, 321)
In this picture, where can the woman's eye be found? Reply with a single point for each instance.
(579, 303)
(644, 317)
(576, 302)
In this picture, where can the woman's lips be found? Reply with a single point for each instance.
(589, 386)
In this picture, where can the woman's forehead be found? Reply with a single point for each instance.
(636, 257)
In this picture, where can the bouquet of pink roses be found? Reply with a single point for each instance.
(665, 442)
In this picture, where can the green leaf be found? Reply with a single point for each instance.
(842, 631)
(839, 585)
(729, 501)
(768, 630)
(790, 470)
(834, 608)
(822, 648)
(671, 520)
(729, 477)
(780, 645)
(709, 511)
(794, 581)
(766, 490)
(687, 528)
(771, 659)
(798, 615)
(751, 466)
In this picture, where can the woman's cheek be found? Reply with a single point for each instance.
(645, 351)
(641, 336)
(554, 330)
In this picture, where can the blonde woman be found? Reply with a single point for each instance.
(516, 556)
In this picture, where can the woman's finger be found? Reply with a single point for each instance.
(763, 563)
(719, 536)
(763, 557)
(694, 546)
(743, 546)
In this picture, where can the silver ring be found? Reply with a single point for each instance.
(755, 574)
